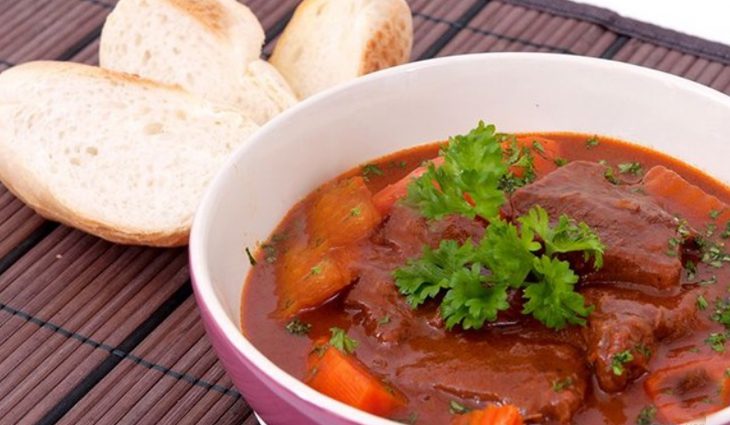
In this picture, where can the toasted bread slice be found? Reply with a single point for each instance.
(209, 47)
(113, 154)
(331, 41)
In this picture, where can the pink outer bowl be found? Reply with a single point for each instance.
(403, 107)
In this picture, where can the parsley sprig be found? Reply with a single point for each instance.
(467, 183)
(473, 279)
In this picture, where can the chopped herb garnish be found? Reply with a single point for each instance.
(643, 350)
(457, 408)
(384, 320)
(713, 253)
(355, 212)
(269, 252)
(722, 312)
(726, 233)
(316, 270)
(537, 146)
(716, 341)
(702, 302)
(709, 281)
(619, 360)
(370, 170)
(710, 229)
(297, 327)
(560, 385)
(715, 213)
(611, 176)
(560, 161)
(592, 142)
(521, 158)
(646, 416)
(251, 260)
(631, 168)
(341, 341)
(690, 269)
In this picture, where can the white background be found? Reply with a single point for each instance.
(708, 19)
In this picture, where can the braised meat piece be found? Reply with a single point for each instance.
(624, 329)
(636, 231)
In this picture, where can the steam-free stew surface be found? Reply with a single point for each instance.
(553, 376)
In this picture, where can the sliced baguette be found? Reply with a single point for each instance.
(209, 47)
(331, 41)
(118, 156)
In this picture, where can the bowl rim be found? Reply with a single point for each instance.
(200, 277)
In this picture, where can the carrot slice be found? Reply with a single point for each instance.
(545, 151)
(344, 378)
(387, 197)
(491, 415)
(691, 390)
(343, 213)
(677, 195)
(308, 276)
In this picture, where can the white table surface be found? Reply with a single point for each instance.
(709, 19)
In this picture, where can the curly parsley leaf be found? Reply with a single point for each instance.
(425, 277)
(566, 236)
(553, 300)
(470, 302)
(507, 254)
(467, 183)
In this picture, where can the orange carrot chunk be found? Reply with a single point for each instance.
(544, 153)
(343, 213)
(387, 197)
(691, 390)
(344, 378)
(308, 276)
(491, 415)
(679, 196)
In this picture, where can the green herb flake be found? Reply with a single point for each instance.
(356, 212)
(726, 233)
(316, 270)
(721, 314)
(717, 341)
(610, 176)
(709, 281)
(297, 327)
(560, 161)
(269, 252)
(702, 302)
(633, 168)
(560, 385)
(592, 142)
(384, 320)
(341, 341)
(710, 229)
(690, 269)
(619, 360)
(714, 214)
(643, 350)
(538, 147)
(371, 170)
(456, 408)
(251, 260)
(646, 415)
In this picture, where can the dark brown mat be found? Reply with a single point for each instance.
(95, 332)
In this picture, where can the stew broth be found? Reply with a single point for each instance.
(436, 369)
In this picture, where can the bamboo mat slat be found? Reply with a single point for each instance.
(92, 332)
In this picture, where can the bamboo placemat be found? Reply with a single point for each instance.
(95, 332)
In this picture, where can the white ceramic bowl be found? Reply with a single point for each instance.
(403, 107)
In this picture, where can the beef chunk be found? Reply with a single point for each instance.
(624, 323)
(635, 230)
(408, 231)
(547, 380)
